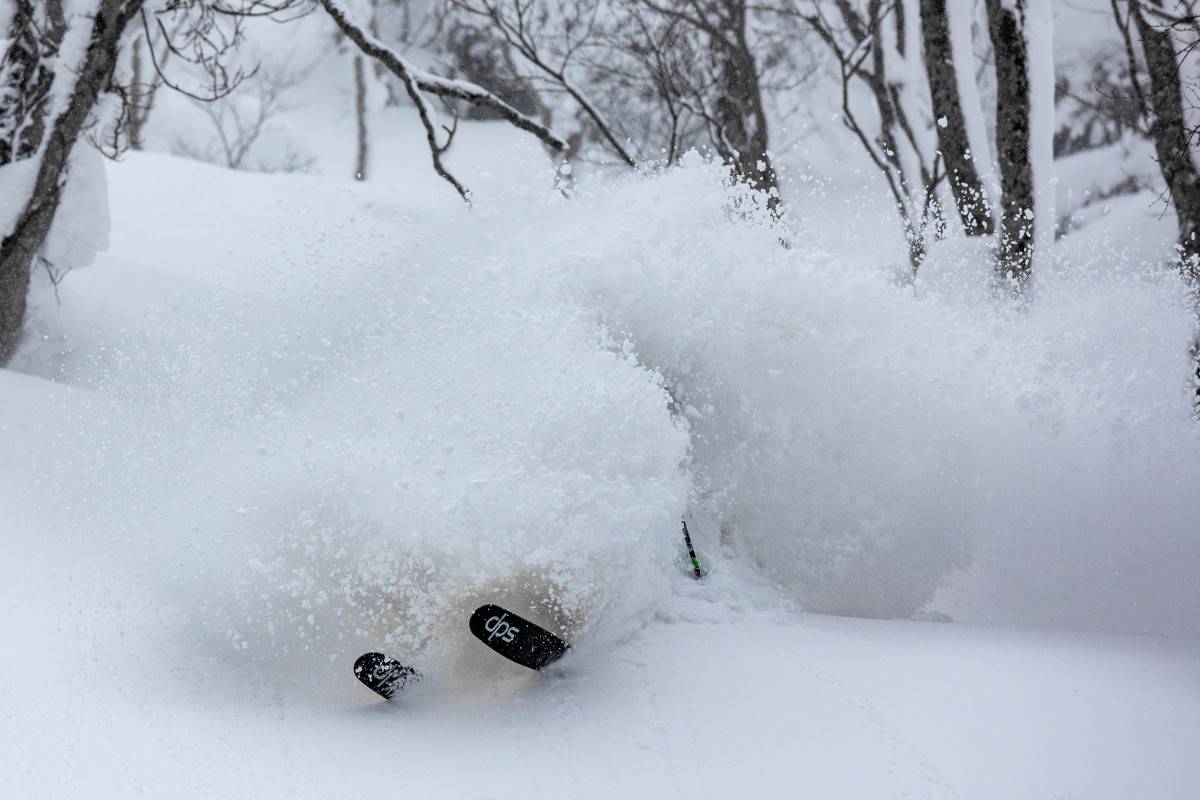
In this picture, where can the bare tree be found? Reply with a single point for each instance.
(239, 120)
(865, 42)
(1168, 38)
(971, 199)
(475, 54)
(418, 83)
(652, 67)
(26, 74)
(553, 51)
(20, 245)
(203, 33)
(650, 79)
(732, 104)
(1006, 28)
(360, 117)
(142, 95)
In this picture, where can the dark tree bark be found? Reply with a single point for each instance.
(36, 34)
(1172, 145)
(969, 194)
(360, 117)
(137, 118)
(731, 98)
(1169, 133)
(142, 91)
(1005, 27)
(18, 249)
(739, 119)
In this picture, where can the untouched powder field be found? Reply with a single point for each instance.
(285, 419)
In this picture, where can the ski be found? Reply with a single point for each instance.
(516, 638)
(383, 675)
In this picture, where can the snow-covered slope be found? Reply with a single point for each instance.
(724, 694)
(285, 419)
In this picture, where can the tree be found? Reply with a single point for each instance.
(1020, 32)
(1006, 29)
(649, 79)
(26, 74)
(1167, 40)
(418, 83)
(552, 45)
(877, 47)
(732, 105)
(941, 66)
(20, 245)
(239, 121)
(202, 33)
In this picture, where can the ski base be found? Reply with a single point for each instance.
(516, 638)
(383, 675)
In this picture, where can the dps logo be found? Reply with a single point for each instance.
(515, 637)
(496, 626)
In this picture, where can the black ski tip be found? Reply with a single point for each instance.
(384, 675)
(516, 638)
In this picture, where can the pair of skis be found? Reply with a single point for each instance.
(512, 636)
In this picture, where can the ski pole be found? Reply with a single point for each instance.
(687, 539)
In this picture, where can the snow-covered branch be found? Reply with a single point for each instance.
(416, 81)
(477, 95)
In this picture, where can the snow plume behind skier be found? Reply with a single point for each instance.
(322, 462)
(507, 457)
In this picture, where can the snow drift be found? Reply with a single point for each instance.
(321, 451)
(351, 420)
(867, 441)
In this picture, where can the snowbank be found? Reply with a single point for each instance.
(323, 443)
(355, 415)
(864, 440)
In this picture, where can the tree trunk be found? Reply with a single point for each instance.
(28, 75)
(1014, 263)
(969, 195)
(1170, 136)
(738, 114)
(1175, 160)
(360, 117)
(19, 248)
(141, 96)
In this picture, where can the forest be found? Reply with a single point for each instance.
(823, 376)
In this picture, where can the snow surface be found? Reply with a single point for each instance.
(719, 696)
(287, 419)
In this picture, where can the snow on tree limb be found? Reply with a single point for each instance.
(416, 81)
(477, 95)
